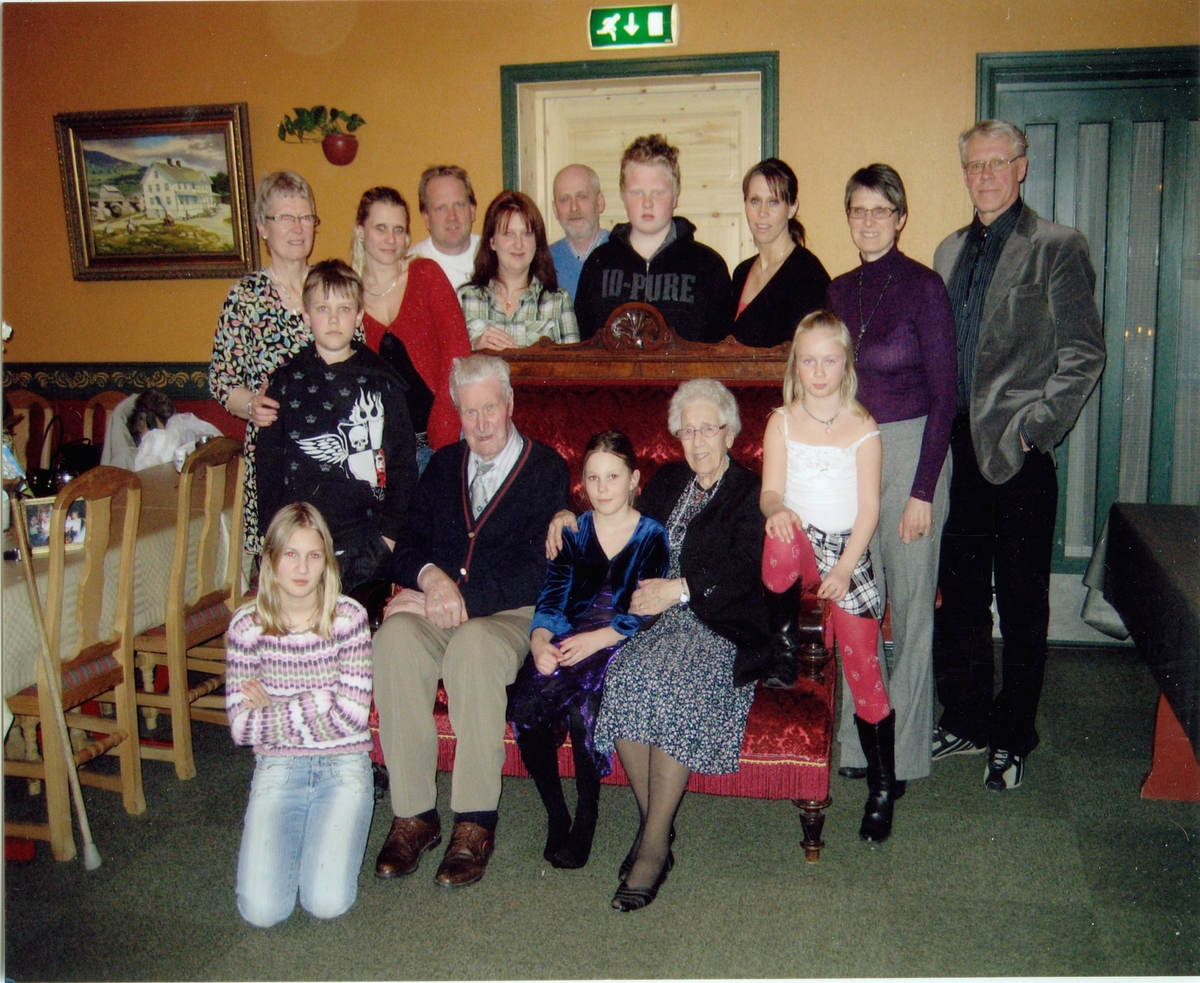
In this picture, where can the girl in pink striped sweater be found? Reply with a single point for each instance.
(298, 688)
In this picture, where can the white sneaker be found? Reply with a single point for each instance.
(1004, 771)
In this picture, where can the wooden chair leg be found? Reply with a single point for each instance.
(812, 819)
(149, 714)
(128, 751)
(181, 715)
(58, 794)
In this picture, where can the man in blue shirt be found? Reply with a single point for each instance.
(578, 202)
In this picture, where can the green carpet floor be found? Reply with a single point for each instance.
(1072, 874)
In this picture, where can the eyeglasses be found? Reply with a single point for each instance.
(308, 221)
(879, 213)
(708, 430)
(997, 165)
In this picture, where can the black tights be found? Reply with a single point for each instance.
(658, 783)
(539, 751)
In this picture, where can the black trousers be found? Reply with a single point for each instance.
(1002, 534)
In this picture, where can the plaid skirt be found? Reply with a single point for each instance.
(862, 598)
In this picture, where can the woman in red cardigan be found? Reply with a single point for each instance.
(413, 318)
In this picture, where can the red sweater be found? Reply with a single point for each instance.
(431, 326)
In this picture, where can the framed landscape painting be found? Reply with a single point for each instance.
(158, 193)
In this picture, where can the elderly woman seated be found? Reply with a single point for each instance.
(677, 695)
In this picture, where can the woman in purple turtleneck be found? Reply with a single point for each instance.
(906, 355)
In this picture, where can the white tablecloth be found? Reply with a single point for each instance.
(152, 570)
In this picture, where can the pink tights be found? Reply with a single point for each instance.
(857, 636)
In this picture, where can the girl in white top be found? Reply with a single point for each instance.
(822, 460)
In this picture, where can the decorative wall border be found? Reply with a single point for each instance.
(83, 380)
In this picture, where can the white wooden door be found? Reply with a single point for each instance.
(714, 120)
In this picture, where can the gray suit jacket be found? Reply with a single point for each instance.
(1041, 342)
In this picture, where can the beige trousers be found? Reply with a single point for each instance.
(475, 661)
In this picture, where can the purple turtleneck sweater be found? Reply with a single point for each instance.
(908, 357)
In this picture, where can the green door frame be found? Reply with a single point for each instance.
(765, 63)
(1110, 67)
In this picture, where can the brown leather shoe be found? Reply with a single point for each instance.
(407, 840)
(467, 855)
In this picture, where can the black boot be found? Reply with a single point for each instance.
(783, 617)
(540, 754)
(575, 852)
(879, 746)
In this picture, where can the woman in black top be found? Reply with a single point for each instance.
(774, 290)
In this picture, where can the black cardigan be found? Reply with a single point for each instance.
(721, 559)
(796, 289)
(499, 559)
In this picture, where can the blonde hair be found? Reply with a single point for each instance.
(267, 609)
(827, 321)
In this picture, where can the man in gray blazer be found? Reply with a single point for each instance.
(1030, 350)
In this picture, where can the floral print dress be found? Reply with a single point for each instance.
(671, 685)
(256, 333)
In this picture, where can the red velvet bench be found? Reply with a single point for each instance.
(624, 378)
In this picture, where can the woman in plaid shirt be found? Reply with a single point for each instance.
(514, 299)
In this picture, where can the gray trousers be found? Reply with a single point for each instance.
(907, 576)
(475, 662)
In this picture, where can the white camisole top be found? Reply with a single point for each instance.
(822, 482)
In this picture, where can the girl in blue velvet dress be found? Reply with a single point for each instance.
(582, 619)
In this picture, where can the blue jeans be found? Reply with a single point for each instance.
(306, 828)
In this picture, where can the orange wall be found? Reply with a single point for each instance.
(860, 81)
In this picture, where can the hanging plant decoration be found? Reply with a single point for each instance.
(340, 146)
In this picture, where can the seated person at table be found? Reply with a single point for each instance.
(582, 619)
(299, 690)
(514, 299)
(654, 257)
(343, 440)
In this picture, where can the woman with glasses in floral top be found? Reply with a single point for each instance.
(260, 326)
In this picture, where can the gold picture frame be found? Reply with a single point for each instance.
(36, 513)
(158, 194)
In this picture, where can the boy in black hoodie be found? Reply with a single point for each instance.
(654, 257)
(343, 440)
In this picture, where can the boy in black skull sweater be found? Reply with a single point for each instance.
(343, 439)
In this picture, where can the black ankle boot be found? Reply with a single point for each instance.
(540, 755)
(783, 616)
(879, 746)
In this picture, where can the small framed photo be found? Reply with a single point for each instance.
(36, 513)
(158, 194)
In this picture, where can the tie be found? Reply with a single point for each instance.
(479, 495)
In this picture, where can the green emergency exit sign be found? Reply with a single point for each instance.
(654, 26)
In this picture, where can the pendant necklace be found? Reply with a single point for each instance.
(283, 288)
(827, 424)
(865, 321)
(386, 292)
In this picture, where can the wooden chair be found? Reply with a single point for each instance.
(107, 401)
(25, 435)
(191, 639)
(92, 668)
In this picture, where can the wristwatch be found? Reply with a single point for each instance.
(684, 596)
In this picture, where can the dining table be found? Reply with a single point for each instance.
(19, 639)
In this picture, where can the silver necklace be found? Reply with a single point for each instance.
(827, 424)
(283, 287)
(386, 292)
(863, 322)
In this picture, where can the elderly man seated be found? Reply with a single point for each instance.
(472, 563)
